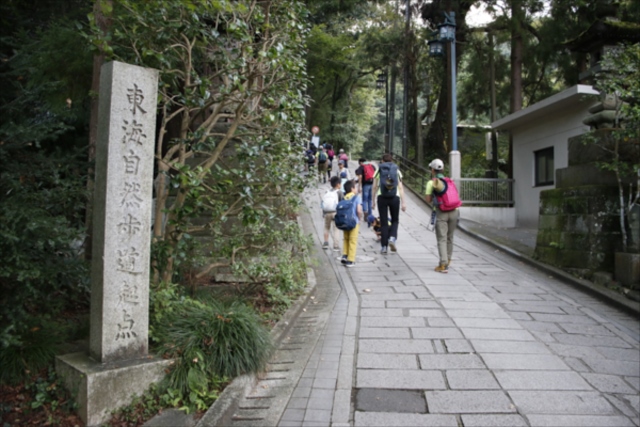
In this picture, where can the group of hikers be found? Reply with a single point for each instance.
(350, 202)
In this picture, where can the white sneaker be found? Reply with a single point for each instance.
(392, 244)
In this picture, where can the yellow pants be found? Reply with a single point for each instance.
(350, 243)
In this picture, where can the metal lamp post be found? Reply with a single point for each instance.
(447, 33)
(383, 80)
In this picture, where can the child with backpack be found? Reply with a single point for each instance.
(365, 173)
(347, 219)
(441, 193)
(329, 204)
(322, 161)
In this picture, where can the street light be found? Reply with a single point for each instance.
(380, 83)
(436, 48)
(447, 33)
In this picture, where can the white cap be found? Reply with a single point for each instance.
(436, 164)
(342, 150)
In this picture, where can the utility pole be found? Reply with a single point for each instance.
(405, 102)
(494, 137)
(392, 95)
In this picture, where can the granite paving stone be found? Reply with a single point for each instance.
(400, 379)
(536, 380)
(608, 383)
(487, 323)
(393, 322)
(440, 322)
(633, 381)
(413, 304)
(387, 361)
(614, 367)
(385, 333)
(468, 402)
(471, 379)
(524, 362)
(579, 420)
(562, 402)
(563, 318)
(533, 325)
(470, 305)
(480, 314)
(591, 340)
(622, 404)
(389, 419)
(426, 313)
(509, 347)
(409, 289)
(385, 296)
(320, 415)
(630, 355)
(497, 420)
(436, 333)
(458, 346)
(398, 346)
(381, 312)
(450, 361)
(497, 334)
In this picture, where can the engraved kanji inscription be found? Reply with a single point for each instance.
(129, 293)
(125, 328)
(135, 97)
(130, 225)
(132, 132)
(130, 195)
(131, 163)
(128, 260)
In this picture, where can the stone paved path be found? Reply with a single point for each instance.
(492, 343)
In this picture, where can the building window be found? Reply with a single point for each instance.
(544, 171)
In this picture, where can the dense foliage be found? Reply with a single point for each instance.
(231, 104)
(620, 76)
(42, 183)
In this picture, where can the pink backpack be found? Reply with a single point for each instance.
(448, 199)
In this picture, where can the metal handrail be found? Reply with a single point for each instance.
(473, 191)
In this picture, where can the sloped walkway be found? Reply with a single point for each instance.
(495, 342)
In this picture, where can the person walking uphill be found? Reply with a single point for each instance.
(365, 174)
(322, 161)
(348, 217)
(330, 202)
(387, 186)
(441, 193)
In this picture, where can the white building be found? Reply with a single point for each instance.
(540, 145)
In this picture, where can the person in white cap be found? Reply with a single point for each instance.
(442, 195)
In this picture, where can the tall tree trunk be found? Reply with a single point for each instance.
(101, 10)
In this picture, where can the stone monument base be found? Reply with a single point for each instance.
(99, 389)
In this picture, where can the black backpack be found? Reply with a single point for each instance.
(388, 180)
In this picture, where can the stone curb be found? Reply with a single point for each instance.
(222, 410)
(611, 297)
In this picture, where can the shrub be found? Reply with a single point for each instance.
(211, 340)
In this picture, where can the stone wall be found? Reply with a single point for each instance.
(578, 228)
(579, 223)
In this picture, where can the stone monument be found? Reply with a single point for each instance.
(118, 365)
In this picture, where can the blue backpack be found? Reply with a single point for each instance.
(345, 218)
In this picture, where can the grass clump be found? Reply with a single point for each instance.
(211, 341)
